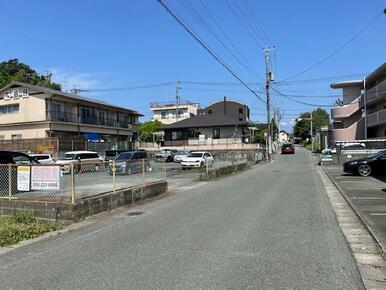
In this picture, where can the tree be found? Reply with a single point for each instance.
(147, 129)
(13, 70)
(302, 127)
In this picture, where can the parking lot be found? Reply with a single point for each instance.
(90, 182)
(367, 196)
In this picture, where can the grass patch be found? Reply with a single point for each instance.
(22, 225)
(308, 147)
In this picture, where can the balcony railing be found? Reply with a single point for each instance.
(353, 132)
(376, 93)
(172, 104)
(75, 118)
(376, 118)
(347, 110)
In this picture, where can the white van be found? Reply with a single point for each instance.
(89, 160)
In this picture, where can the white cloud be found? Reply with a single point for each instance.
(70, 80)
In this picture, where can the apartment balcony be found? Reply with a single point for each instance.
(347, 110)
(377, 118)
(98, 121)
(353, 132)
(376, 93)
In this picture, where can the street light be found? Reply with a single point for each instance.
(311, 130)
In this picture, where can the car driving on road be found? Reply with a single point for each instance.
(197, 159)
(287, 148)
(373, 164)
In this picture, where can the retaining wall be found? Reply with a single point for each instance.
(82, 208)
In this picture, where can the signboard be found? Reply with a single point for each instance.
(265, 136)
(326, 157)
(23, 178)
(45, 178)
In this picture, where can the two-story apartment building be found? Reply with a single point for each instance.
(168, 112)
(351, 121)
(29, 111)
(216, 124)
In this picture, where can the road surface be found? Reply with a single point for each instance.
(268, 228)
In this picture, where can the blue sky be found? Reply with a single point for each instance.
(108, 44)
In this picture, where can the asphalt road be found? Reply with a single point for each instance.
(271, 227)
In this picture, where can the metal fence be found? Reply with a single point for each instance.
(74, 181)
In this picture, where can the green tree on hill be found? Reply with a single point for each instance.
(13, 70)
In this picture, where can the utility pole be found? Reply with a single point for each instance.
(177, 98)
(312, 136)
(268, 75)
(365, 104)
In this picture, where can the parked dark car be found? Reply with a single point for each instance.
(11, 157)
(112, 154)
(287, 148)
(15, 158)
(130, 163)
(374, 164)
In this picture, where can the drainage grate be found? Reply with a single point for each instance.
(135, 213)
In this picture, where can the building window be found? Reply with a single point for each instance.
(9, 109)
(2, 137)
(164, 115)
(240, 114)
(216, 133)
(176, 135)
(103, 117)
(191, 133)
(210, 112)
(16, 137)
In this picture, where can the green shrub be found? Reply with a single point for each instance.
(23, 216)
(22, 226)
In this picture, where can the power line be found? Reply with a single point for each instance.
(300, 102)
(128, 88)
(338, 49)
(228, 38)
(206, 47)
(243, 24)
(202, 22)
(254, 17)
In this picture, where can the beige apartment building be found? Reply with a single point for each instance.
(363, 111)
(29, 111)
(168, 112)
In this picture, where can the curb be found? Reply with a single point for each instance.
(363, 219)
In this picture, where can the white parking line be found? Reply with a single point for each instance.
(378, 213)
(364, 188)
(370, 198)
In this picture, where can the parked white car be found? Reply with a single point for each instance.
(344, 146)
(91, 160)
(43, 158)
(180, 155)
(197, 159)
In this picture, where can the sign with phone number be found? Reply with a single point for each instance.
(45, 178)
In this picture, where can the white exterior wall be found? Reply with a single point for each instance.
(171, 113)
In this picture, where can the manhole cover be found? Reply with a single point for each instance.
(135, 213)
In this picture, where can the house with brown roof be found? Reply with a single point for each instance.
(219, 123)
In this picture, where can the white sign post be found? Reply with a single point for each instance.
(45, 178)
(23, 178)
